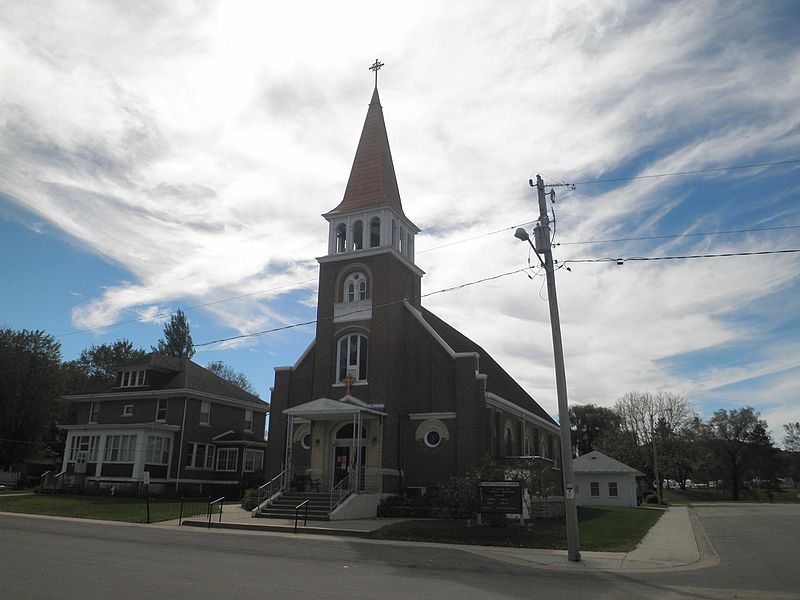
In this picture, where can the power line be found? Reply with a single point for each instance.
(679, 235)
(694, 172)
(361, 310)
(621, 260)
(492, 278)
(469, 239)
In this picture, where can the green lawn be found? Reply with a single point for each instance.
(132, 510)
(603, 529)
(678, 496)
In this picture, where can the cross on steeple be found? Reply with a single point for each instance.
(376, 67)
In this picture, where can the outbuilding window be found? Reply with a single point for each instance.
(595, 488)
(612, 489)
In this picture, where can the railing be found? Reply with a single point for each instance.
(297, 508)
(341, 491)
(192, 507)
(44, 480)
(271, 489)
(211, 505)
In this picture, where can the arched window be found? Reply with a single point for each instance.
(528, 446)
(375, 232)
(509, 443)
(341, 238)
(394, 234)
(355, 288)
(352, 357)
(346, 432)
(401, 246)
(358, 235)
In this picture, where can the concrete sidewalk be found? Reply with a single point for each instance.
(676, 541)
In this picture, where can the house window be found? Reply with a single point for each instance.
(94, 412)
(248, 420)
(612, 489)
(352, 357)
(84, 443)
(226, 459)
(374, 232)
(253, 460)
(127, 410)
(205, 412)
(161, 409)
(355, 288)
(132, 378)
(595, 488)
(120, 448)
(200, 456)
(358, 235)
(341, 238)
(157, 450)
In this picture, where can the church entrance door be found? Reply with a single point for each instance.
(342, 463)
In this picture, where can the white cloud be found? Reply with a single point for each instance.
(196, 144)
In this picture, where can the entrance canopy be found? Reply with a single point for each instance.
(325, 409)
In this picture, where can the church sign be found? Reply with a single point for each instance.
(500, 497)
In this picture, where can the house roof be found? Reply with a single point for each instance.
(372, 182)
(182, 373)
(597, 462)
(497, 380)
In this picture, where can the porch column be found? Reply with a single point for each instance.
(287, 474)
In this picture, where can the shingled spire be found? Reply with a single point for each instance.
(372, 182)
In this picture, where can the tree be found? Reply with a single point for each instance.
(95, 365)
(590, 425)
(655, 420)
(736, 440)
(226, 372)
(30, 382)
(791, 441)
(177, 340)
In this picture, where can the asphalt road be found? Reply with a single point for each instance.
(44, 558)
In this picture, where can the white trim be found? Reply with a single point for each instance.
(431, 415)
(235, 459)
(176, 393)
(216, 437)
(500, 402)
(372, 252)
(302, 356)
(114, 426)
(125, 412)
(418, 315)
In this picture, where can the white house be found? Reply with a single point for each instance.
(603, 481)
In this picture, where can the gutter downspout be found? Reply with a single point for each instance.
(180, 445)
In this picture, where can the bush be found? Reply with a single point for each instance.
(651, 499)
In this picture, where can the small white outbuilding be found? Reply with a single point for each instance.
(603, 481)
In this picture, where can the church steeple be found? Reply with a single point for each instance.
(372, 182)
(370, 215)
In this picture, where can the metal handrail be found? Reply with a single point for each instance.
(268, 491)
(191, 507)
(211, 509)
(341, 491)
(297, 511)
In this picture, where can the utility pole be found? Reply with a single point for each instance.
(544, 250)
(659, 491)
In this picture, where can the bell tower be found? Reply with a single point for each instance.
(368, 271)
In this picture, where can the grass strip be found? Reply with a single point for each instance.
(131, 510)
(601, 529)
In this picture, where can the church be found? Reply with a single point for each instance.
(388, 398)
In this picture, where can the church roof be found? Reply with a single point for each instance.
(597, 462)
(372, 182)
(497, 380)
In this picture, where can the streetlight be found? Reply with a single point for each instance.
(543, 250)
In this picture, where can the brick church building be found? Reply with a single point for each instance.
(388, 398)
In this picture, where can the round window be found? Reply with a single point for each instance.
(305, 441)
(432, 439)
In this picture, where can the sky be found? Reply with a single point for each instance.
(157, 156)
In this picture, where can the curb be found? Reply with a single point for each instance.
(280, 529)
